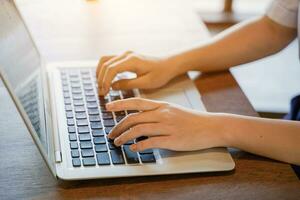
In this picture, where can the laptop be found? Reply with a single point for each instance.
(68, 121)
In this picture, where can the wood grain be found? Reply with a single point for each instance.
(23, 174)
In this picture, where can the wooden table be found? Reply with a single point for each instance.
(24, 175)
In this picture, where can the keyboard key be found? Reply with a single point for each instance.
(103, 158)
(95, 118)
(114, 93)
(70, 122)
(73, 74)
(65, 88)
(75, 85)
(85, 72)
(97, 132)
(76, 91)
(131, 157)
(76, 162)
(114, 98)
(85, 137)
(78, 103)
(107, 115)
(75, 154)
(67, 101)
(73, 145)
(79, 109)
(83, 129)
(127, 94)
(77, 97)
(109, 122)
(87, 152)
(91, 99)
(92, 105)
(72, 137)
(88, 87)
(93, 111)
(111, 146)
(80, 115)
(82, 122)
(108, 129)
(89, 161)
(120, 113)
(86, 81)
(64, 82)
(119, 118)
(89, 93)
(147, 158)
(99, 140)
(132, 111)
(86, 145)
(96, 125)
(69, 114)
(147, 151)
(100, 148)
(117, 157)
(66, 95)
(103, 109)
(71, 129)
(68, 107)
(129, 142)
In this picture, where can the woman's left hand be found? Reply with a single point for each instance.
(167, 126)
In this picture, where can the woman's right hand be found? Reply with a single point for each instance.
(151, 72)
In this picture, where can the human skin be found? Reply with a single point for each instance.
(173, 127)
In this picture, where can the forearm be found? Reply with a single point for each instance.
(240, 44)
(277, 139)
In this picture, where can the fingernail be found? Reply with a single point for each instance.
(110, 136)
(117, 142)
(133, 147)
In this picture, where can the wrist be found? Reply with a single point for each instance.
(176, 64)
(225, 129)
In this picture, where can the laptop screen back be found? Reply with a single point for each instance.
(21, 67)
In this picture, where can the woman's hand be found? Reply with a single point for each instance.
(151, 73)
(168, 126)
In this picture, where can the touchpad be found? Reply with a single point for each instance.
(176, 96)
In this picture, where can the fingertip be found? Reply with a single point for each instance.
(133, 147)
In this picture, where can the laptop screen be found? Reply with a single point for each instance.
(20, 65)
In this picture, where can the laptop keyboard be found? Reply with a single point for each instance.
(89, 122)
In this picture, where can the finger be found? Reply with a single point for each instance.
(149, 129)
(132, 120)
(126, 64)
(104, 66)
(133, 104)
(101, 62)
(127, 84)
(158, 142)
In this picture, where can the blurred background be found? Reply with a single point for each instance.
(269, 83)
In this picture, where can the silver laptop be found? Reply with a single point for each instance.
(69, 123)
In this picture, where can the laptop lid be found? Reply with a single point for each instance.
(23, 75)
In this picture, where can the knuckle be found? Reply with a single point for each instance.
(130, 118)
(133, 57)
(128, 52)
